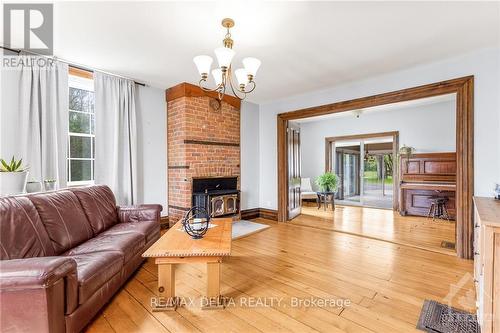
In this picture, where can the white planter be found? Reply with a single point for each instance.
(33, 187)
(13, 182)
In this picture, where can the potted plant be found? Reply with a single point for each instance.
(13, 177)
(405, 153)
(327, 182)
(49, 184)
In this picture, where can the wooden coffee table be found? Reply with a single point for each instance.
(177, 247)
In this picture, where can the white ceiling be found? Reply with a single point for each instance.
(303, 46)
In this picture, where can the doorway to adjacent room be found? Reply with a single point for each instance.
(365, 165)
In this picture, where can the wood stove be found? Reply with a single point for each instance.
(218, 195)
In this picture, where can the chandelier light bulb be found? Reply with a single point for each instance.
(224, 56)
(217, 74)
(241, 76)
(203, 63)
(251, 65)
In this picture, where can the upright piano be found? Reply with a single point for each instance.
(423, 176)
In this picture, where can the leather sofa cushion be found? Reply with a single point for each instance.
(129, 244)
(148, 229)
(63, 218)
(99, 205)
(94, 270)
(22, 234)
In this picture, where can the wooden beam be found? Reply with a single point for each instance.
(190, 90)
(428, 90)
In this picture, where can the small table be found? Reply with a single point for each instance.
(325, 198)
(177, 247)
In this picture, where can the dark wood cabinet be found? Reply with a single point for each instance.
(424, 176)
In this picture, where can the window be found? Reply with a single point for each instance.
(81, 136)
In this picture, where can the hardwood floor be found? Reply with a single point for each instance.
(386, 284)
(382, 224)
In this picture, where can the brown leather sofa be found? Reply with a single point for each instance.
(65, 253)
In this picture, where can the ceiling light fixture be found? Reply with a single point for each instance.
(223, 73)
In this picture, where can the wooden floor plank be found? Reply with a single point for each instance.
(382, 224)
(100, 325)
(387, 284)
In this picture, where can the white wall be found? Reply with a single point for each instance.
(152, 146)
(483, 64)
(498, 114)
(249, 123)
(428, 128)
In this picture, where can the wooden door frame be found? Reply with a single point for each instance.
(395, 147)
(463, 88)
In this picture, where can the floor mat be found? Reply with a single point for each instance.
(439, 318)
(243, 228)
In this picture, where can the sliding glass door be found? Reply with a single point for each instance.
(348, 171)
(364, 169)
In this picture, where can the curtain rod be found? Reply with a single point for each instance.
(72, 64)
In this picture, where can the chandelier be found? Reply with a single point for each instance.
(223, 74)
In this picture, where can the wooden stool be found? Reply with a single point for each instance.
(438, 208)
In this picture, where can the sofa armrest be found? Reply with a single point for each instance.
(38, 272)
(139, 213)
(36, 293)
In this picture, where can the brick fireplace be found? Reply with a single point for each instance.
(203, 141)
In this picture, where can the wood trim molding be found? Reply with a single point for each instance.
(190, 90)
(253, 213)
(211, 143)
(269, 214)
(361, 136)
(428, 90)
(178, 167)
(80, 72)
(249, 214)
(164, 222)
(179, 208)
(463, 88)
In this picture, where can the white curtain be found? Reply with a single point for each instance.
(43, 118)
(115, 135)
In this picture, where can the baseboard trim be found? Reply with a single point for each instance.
(253, 213)
(246, 214)
(164, 222)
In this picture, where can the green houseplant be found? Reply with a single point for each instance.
(13, 176)
(327, 182)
